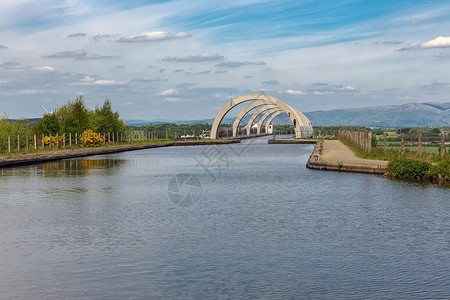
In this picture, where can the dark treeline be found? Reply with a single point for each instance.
(170, 129)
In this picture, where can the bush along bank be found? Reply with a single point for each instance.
(405, 168)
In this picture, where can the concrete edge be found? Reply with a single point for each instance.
(290, 141)
(380, 170)
(316, 164)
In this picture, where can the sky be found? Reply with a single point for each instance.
(185, 60)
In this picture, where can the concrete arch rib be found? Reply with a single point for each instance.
(242, 114)
(256, 114)
(300, 119)
(264, 117)
(271, 118)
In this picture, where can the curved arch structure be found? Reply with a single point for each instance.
(265, 116)
(302, 125)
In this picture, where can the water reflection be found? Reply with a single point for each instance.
(264, 227)
(68, 168)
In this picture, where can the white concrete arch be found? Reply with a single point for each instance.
(302, 124)
(256, 114)
(271, 118)
(265, 116)
(242, 114)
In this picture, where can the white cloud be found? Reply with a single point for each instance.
(44, 69)
(323, 93)
(296, 92)
(347, 88)
(154, 36)
(108, 82)
(90, 81)
(439, 42)
(195, 57)
(87, 79)
(128, 103)
(169, 92)
(174, 99)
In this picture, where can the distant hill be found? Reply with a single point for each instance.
(406, 115)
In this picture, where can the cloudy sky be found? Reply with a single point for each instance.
(176, 60)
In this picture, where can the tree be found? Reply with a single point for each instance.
(105, 120)
(49, 124)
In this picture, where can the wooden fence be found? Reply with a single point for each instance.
(14, 144)
(363, 140)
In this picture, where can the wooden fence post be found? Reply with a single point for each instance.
(384, 143)
(26, 137)
(9, 144)
(420, 143)
(57, 140)
(442, 145)
(369, 142)
(167, 135)
(402, 145)
(35, 142)
(43, 141)
(70, 139)
(76, 138)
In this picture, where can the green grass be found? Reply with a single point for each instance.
(428, 165)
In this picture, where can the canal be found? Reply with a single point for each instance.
(241, 221)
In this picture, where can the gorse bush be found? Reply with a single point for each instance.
(47, 140)
(91, 139)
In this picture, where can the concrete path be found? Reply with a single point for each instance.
(335, 156)
(334, 151)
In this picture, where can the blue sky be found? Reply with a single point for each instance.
(185, 59)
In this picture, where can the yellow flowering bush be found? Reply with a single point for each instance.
(47, 140)
(91, 139)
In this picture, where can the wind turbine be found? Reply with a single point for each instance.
(46, 110)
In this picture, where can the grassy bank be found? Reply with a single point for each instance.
(410, 165)
(405, 168)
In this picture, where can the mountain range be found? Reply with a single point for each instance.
(406, 115)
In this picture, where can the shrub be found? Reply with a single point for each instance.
(47, 140)
(403, 167)
(91, 139)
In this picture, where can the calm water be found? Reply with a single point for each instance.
(246, 221)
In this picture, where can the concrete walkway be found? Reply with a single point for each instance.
(335, 156)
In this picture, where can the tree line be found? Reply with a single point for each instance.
(72, 117)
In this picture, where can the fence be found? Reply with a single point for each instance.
(363, 140)
(413, 142)
(26, 143)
